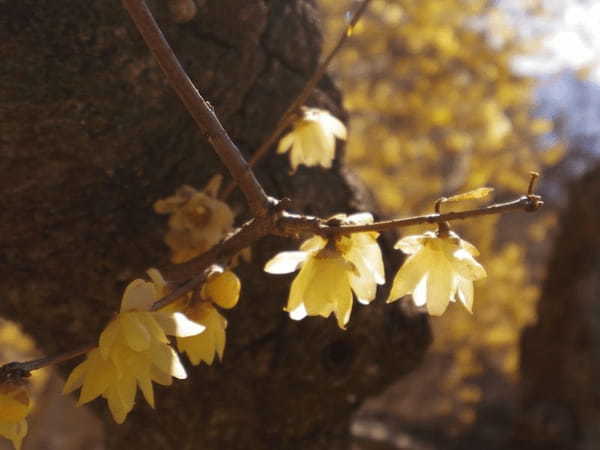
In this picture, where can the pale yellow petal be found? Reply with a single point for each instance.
(285, 262)
(410, 244)
(145, 385)
(439, 288)
(177, 324)
(466, 266)
(300, 284)
(334, 126)
(139, 295)
(135, 333)
(76, 377)
(108, 337)
(149, 321)
(409, 275)
(165, 359)
(286, 142)
(312, 244)
(469, 247)
(343, 308)
(465, 293)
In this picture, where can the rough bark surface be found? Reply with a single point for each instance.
(560, 362)
(91, 135)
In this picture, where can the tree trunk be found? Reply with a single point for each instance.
(92, 135)
(560, 358)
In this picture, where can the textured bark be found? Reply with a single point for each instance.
(560, 359)
(92, 135)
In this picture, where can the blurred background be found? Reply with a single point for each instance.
(445, 96)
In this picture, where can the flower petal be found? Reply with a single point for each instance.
(138, 296)
(439, 289)
(285, 262)
(410, 244)
(464, 263)
(465, 293)
(177, 324)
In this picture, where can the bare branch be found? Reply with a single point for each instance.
(203, 115)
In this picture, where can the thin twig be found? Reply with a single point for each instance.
(23, 368)
(292, 224)
(204, 116)
(288, 116)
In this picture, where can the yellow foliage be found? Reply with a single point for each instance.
(436, 109)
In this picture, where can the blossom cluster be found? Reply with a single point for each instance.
(440, 269)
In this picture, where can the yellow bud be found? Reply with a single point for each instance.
(222, 289)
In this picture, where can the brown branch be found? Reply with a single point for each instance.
(293, 224)
(203, 115)
(289, 114)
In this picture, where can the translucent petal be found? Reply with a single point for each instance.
(145, 385)
(286, 142)
(469, 247)
(313, 243)
(165, 359)
(463, 263)
(96, 381)
(76, 378)
(334, 126)
(298, 313)
(366, 256)
(136, 334)
(138, 296)
(300, 284)
(285, 262)
(364, 288)
(409, 275)
(155, 330)
(108, 337)
(343, 308)
(117, 407)
(439, 288)
(419, 294)
(177, 324)
(465, 293)
(161, 377)
(410, 244)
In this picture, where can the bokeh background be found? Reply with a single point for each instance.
(444, 96)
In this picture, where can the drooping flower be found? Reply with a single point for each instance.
(14, 408)
(198, 220)
(133, 352)
(438, 270)
(331, 269)
(222, 288)
(312, 140)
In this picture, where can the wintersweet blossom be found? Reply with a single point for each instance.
(133, 351)
(222, 288)
(312, 139)
(14, 407)
(438, 270)
(198, 220)
(331, 269)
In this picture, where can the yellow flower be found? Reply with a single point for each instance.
(312, 139)
(221, 288)
(330, 271)
(133, 351)
(438, 270)
(198, 220)
(14, 407)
